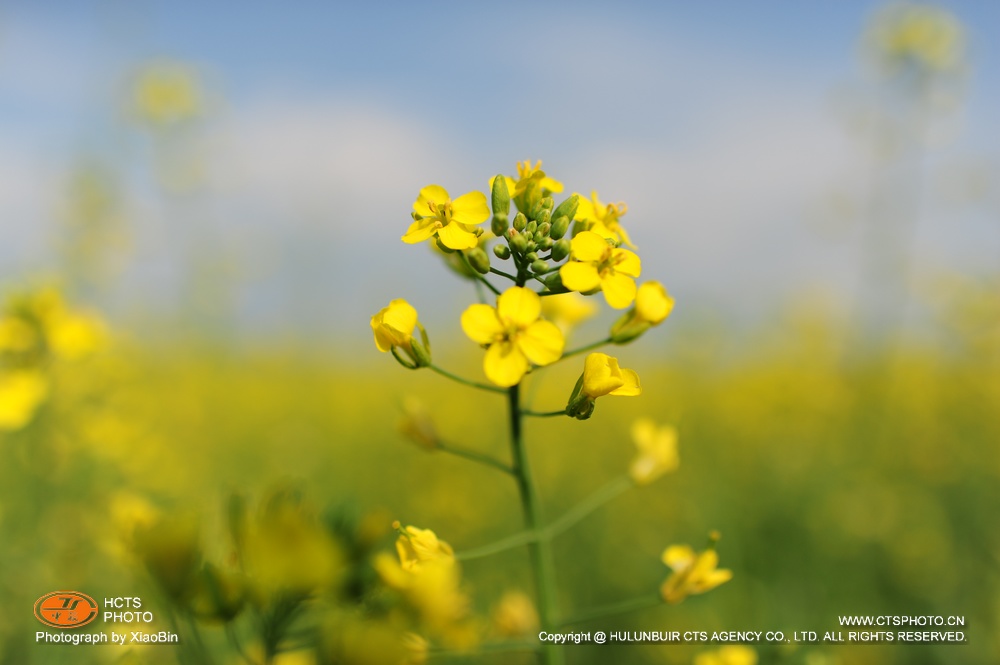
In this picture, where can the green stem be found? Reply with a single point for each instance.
(503, 274)
(475, 457)
(585, 348)
(543, 414)
(467, 382)
(477, 275)
(602, 496)
(502, 545)
(613, 609)
(538, 550)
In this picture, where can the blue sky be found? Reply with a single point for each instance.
(724, 125)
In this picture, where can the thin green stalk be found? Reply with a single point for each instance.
(502, 545)
(503, 274)
(585, 348)
(613, 609)
(543, 414)
(475, 457)
(467, 382)
(538, 550)
(612, 490)
(477, 275)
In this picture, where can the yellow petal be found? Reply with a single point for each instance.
(589, 246)
(430, 194)
(601, 375)
(653, 303)
(419, 231)
(579, 276)
(600, 229)
(627, 263)
(481, 324)
(542, 342)
(470, 208)
(400, 315)
(518, 306)
(454, 236)
(643, 433)
(619, 290)
(553, 186)
(678, 557)
(584, 210)
(630, 387)
(504, 364)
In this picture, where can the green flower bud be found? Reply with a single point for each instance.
(531, 227)
(520, 221)
(532, 246)
(544, 228)
(554, 283)
(567, 208)
(499, 224)
(559, 227)
(537, 237)
(546, 243)
(501, 197)
(547, 203)
(519, 243)
(479, 260)
(543, 217)
(561, 249)
(628, 328)
(502, 252)
(539, 267)
(421, 353)
(531, 256)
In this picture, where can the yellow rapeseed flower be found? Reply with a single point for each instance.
(419, 546)
(166, 93)
(514, 334)
(515, 615)
(596, 265)
(657, 451)
(694, 573)
(21, 393)
(526, 172)
(652, 305)
(602, 376)
(602, 218)
(928, 36)
(393, 325)
(452, 222)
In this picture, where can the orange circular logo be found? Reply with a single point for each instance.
(66, 609)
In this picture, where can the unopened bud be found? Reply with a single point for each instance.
(520, 221)
(531, 227)
(543, 217)
(501, 197)
(539, 267)
(544, 227)
(531, 256)
(561, 249)
(560, 226)
(499, 224)
(479, 260)
(567, 208)
(537, 237)
(519, 243)
(547, 203)
(546, 243)
(502, 252)
(554, 283)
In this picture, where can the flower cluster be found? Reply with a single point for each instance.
(558, 254)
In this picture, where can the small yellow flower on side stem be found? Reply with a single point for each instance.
(596, 265)
(652, 305)
(452, 222)
(601, 376)
(418, 546)
(602, 218)
(514, 335)
(393, 329)
(657, 448)
(694, 573)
